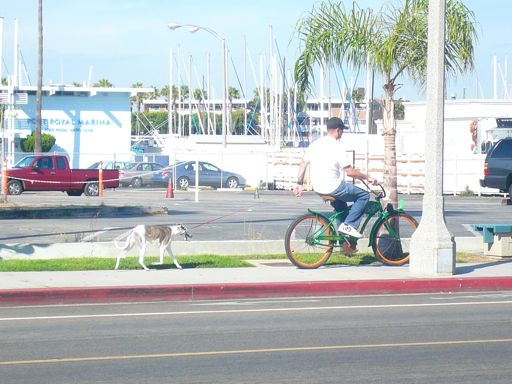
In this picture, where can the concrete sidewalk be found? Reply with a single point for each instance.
(270, 278)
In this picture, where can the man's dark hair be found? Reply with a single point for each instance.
(335, 123)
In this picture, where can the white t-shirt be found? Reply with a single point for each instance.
(326, 157)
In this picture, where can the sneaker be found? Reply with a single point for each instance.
(349, 249)
(349, 230)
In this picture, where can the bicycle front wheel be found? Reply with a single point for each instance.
(392, 237)
(309, 241)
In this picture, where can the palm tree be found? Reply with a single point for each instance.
(103, 83)
(233, 93)
(138, 103)
(174, 97)
(39, 91)
(200, 94)
(394, 40)
(164, 92)
(153, 95)
(184, 92)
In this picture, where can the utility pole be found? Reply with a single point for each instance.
(39, 92)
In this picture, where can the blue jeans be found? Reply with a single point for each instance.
(349, 192)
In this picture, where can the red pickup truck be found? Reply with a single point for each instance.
(52, 173)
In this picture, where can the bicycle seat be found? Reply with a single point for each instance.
(327, 197)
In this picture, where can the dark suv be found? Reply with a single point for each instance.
(498, 167)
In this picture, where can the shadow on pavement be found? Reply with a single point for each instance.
(474, 267)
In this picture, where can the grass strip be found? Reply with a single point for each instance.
(187, 262)
(108, 263)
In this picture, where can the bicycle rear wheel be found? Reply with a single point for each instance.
(308, 241)
(392, 237)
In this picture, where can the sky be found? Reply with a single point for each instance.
(128, 41)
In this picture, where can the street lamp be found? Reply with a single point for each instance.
(193, 29)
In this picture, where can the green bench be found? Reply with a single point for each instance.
(497, 239)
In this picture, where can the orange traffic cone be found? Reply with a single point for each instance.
(170, 192)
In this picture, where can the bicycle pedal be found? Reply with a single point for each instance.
(348, 249)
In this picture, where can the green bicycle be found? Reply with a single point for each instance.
(311, 238)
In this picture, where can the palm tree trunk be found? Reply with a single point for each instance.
(390, 173)
(37, 134)
(230, 116)
(137, 121)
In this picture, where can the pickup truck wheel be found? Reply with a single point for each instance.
(74, 192)
(136, 182)
(14, 187)
(91, 189)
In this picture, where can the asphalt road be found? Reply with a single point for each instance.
(429, 338)
(210, 214)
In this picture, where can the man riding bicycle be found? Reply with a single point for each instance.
(327, 158)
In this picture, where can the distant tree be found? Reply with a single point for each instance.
(200, 94)
(184, 92)
(103, 83)
(140, 97)
(174, 93)
(174, 97)
(151, 120)
(233, 93)
(137, 99)
(238, 122)
(47, 142)
(399, 110)
(357, 96)
(164, 92)
(256, 104)
(153, 95)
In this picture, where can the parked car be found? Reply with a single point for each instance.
(139, 174)
(209, 175)
(498, 167)
(112, 165)
(53, 173)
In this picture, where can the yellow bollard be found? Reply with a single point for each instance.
(100, 184)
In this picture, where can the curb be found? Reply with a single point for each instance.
(83, 211)
(42, 296)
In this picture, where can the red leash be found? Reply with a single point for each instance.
(218, 218)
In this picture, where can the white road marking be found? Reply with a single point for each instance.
(477, 296)
(242, 303)
(439, 296)
(259, 310)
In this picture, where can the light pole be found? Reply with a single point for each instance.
(194, 28)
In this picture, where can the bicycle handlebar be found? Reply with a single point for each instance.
(378, 194)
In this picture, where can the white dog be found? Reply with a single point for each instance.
(141, 234)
